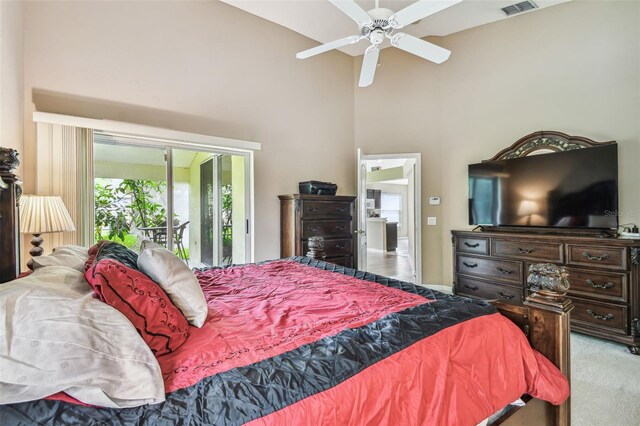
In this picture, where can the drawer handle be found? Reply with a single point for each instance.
(339, 228)
(471, 245)
(340, 247)
(596, 285)
(589, 256)
(470, 265)
(314, 210)
(468, 287)
(525, 251)
(607, 317)
(314, 228)
(341, 209)
(506, 296)
(504, 271)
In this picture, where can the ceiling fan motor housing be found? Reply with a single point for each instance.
(379, 27)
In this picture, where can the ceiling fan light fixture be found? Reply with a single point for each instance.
(380, 23)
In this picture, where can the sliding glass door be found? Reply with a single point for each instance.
(195, 202)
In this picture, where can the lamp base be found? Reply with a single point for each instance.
(36, 250)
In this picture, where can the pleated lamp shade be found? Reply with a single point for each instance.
(40, 214)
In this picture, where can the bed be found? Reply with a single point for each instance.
(303, 341)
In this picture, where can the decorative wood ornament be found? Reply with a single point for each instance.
(546, 141)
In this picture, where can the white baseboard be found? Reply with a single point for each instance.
(438, 287)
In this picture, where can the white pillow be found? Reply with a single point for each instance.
(55, 336)
(70, 255)
(176, 279)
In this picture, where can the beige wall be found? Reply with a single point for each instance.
(210, 68)
(573, 68)
(202, 67)
(11, 76)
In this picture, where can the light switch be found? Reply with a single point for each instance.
(431, 221)
(434, 201)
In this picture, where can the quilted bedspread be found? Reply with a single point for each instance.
(305, 342)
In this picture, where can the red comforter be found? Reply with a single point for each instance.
(458, 375)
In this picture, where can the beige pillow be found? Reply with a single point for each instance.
(70, 256)
(56, 337)
(176, 279)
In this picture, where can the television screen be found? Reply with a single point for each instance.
(570, 189)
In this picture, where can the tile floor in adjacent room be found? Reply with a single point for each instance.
(392, 264)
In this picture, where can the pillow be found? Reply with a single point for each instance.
(56, 337)
(161, 325)
(111, 250)
(176, 279)
(71, 256)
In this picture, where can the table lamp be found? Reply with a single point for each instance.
(41, 214)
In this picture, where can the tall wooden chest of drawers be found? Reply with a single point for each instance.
(331, 217)
(603, 273)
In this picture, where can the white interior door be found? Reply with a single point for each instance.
(361, 232)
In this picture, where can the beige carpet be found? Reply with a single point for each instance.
(605, 383)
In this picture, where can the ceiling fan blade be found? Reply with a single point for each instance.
(418, 10)
(421, 48)
(353, 11)
(328, 46)
(369, 65)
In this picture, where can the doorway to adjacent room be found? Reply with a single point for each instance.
(389, 232)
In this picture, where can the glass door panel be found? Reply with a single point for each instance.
(130, 187)
(209, 207)
(233, 212)
(195, 206)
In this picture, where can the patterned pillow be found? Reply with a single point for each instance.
(111, 250)
(160, 323)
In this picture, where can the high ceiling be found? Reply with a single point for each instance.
(323, 22)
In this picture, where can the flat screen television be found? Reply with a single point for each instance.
(570, 189)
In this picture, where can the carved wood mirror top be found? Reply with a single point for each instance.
(545, 142)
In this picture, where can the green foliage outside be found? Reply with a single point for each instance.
(227, 205)
(130, 203)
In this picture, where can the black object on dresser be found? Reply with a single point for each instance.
(603, 273)
(329, 216)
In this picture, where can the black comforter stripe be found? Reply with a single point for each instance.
(246, 393)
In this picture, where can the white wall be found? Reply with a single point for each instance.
(11, 76)
(574, 68)
(203, 67)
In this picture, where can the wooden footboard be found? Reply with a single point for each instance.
(545, 321)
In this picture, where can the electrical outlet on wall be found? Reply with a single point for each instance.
(431, 221)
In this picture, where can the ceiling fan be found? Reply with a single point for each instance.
(379, 24)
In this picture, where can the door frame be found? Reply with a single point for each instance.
(361, 184)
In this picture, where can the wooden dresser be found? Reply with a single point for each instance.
(331, 217)
(603, 272)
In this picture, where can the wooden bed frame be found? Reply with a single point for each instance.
(545, 320)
